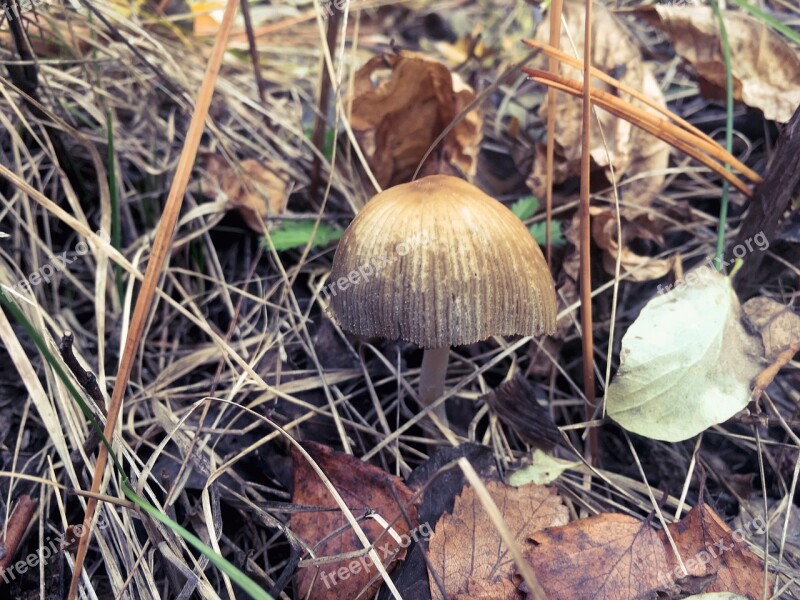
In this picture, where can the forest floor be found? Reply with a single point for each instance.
(247, 405)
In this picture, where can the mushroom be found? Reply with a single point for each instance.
(439, 263)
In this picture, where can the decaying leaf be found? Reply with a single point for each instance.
(686, 362)
(467, 551)
(606, 556)
(716, 558)
(631, 151)
(640, 268)
(619, 556)
(253, 188)
(766, 70)
(777, 324)
(400, 104)
(365, 489)
(543, 469)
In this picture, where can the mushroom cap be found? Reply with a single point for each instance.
(439, 263)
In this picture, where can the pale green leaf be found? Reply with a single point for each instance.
(539, 233)
(296, 234)
(525, 207)
(543, 469)
(686, 362)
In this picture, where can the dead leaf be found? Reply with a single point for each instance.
(400, 104)
(640, 268)
(766, 70)
(253, 188)
(631, 151)
(708, 547)
(686, 362)
(461, 146)
(777, 324)
(466, 550)
(606, 556)
(365, 489)
(482, 589)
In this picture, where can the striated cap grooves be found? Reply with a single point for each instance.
(439, 263)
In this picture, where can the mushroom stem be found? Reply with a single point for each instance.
(431, 378)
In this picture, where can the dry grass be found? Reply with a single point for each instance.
(238, 337)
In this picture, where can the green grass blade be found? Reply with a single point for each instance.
(116, 233)
(242, 580)
(768, 19)
(726, 52)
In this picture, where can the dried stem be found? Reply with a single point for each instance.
(586, 245)
(663, 110)
(664, 130)
(321, 121)
(88, 382)
(556, 8)
(253, 49)
(161, 246)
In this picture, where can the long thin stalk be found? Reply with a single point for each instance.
(726, 53)
(675, 136)
(152, 275)
(556, 8)
(325, 88)
(113, 190)
(680, 128)
(769, 20)
(253, 49)
(593, 445)
(551, 52)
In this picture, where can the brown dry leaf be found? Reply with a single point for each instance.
(606, 556)
(766, 70)
(461, 146)
(604, 233)
(467, 551)
(253, 189)
(777, 324)
(715, 560)
(364, 488)
(631, 150)
(400, 104)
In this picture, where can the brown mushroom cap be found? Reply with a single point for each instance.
(439, 263)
